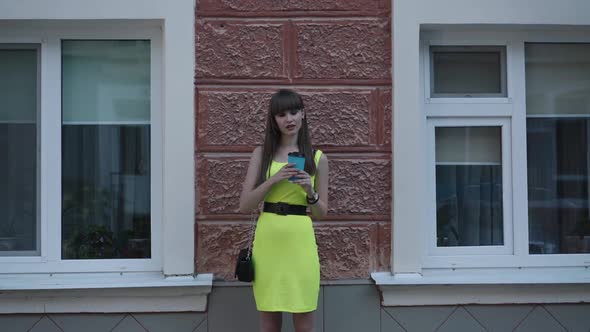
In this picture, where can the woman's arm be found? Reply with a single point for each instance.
(251, 196)
(320, 209)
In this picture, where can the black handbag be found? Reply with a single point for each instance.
(244, 265)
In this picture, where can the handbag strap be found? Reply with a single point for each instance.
(253, 221)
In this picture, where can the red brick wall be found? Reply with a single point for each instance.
(337, 54)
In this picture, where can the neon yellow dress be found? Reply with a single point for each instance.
(285, 254)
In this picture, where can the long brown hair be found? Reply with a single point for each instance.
(284, 100)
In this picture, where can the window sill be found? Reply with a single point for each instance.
(492, 286)
(103, 292)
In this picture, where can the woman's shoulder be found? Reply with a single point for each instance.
(256, 154)
(319, 156)
(257, 151)
(318, 153)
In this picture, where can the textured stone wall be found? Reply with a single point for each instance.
(337, 54)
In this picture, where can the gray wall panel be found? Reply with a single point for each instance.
(420, 319)
(129, 324)
(87, 322)
(167, 322)
(352, 308)
(389, 324)
(574, 317)
(319, 316)
(341, 308)
(47, 325)
(461, 320)
(19, 323)
(500, 318)
(203, 327)
(539, 320)
(232, 309)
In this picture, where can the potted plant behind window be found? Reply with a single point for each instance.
(578, 240)
(95, 242)
(135, 242)
(88, 237)
(8, 238)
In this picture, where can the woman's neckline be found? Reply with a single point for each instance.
(282, 162)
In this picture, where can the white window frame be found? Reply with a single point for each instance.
(45, 284)
(477, 96)
(511, 109)
(49, 131)
(434, 252)
(506, 279)
(461, 106)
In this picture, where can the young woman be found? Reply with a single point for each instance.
(285, 256)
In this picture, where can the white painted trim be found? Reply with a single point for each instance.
(481, 287)
(58, 281)
(178, 192)
(408, 159)
(130, 292)
(140, 123)
(519, 164)
(393, 296)
(462, 100)
(84, 9)
(156, 138)
(470, 109)
(50, 172)
(487, 276)
(518, 260)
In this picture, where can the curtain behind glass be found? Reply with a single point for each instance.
(106, 149)
(469, 186)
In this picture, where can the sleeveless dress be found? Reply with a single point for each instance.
(285, 254)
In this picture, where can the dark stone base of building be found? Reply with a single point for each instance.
(341, 308)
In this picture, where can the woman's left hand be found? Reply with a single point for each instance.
(304, 180)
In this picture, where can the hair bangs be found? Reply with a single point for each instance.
(285, 100)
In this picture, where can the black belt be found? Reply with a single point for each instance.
(285, 209)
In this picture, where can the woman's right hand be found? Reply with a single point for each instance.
(284, 173)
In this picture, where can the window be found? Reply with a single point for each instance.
(80, 127)
(469, 174)
(106, 149)
(468, 186)
(86, 131)
(540, 109)
(558, 147)
(467, 71)
(19, 112)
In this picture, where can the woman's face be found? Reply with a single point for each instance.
(289, 122)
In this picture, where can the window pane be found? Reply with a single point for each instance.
(469, 186)
(106, 150)
(558, 140)
(19, 229)
(106, 81)
(467, 71)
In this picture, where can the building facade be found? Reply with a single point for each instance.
(457, 134)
